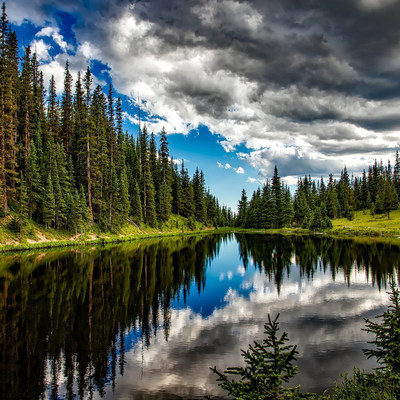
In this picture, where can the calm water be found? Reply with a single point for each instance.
(148, 319)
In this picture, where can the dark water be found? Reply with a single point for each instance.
(148, 319)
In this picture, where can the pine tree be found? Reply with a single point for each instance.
(149, 206)
(389, 197)
(387, 338)
(53, 111)
(124, 195)
(136, 204)
(268, 366)
(277, 197)
(198, 193)
(84, 215)
(33, 180)
(67, 110)
(188, 205)
(8, 110)
(23, 202)
(25, 106)
(49, 203)
(287, 208)
(242, 210)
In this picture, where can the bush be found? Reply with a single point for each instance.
(387, 340)
(268, 366)
(364, 386)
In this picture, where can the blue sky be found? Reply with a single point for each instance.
(239, 85)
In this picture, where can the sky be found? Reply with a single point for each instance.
(241, 86)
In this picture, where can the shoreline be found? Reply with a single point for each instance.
(336, 233)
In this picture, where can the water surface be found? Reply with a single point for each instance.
(147, 319)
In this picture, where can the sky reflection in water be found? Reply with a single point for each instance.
(323, 316)
(148, 319)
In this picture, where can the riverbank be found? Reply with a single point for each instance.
(35, 236)
(363, 227)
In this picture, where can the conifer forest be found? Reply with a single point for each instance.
(66, 162)
(315, 204)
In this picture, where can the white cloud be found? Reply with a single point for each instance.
(50, 31)
(239, 170)
(41, 49)
(254, 180)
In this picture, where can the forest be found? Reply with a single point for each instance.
(315, 204)
(66, 162)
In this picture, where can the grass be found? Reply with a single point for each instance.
(364, 224)
(36, 236)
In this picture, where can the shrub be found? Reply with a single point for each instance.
(268, 366)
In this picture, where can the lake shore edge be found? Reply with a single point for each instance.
(89, 239)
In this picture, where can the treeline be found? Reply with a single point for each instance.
(66, 162)
(315, 204)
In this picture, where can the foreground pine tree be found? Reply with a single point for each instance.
(268, 366)
(387, 340)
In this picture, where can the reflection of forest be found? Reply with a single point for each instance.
(64, 315)
(275, 254)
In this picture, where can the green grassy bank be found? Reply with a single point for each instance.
(34, 235)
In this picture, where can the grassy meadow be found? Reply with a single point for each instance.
(364, 224)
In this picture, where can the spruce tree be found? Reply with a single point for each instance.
(268, 366)
(242, 210)
(49, 203)
(136, 205)
(67, 110)
(124, 195)
(277, 197)
(33, 180)
(23, 203)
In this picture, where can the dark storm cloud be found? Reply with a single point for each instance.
(321, 76)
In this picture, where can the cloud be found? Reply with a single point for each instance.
(307, 86)
(41, 49)
(238, 170)
(254, 180)
(54, 33)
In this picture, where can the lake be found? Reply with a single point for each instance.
(147, 319)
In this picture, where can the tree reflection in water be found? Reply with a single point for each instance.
(65, 314)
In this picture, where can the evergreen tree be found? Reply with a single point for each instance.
(23, 203)
(25, 107)
(387, 338)
(276, 190)
(268, 366)
(32, 181)
(136, 204)
(67, 110)
(8, 110)
(53, 111)
(242, 210)
(124, 195)
(49, 203)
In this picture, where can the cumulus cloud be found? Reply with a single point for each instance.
(50, 31)
(309, 87)
(41, 49)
